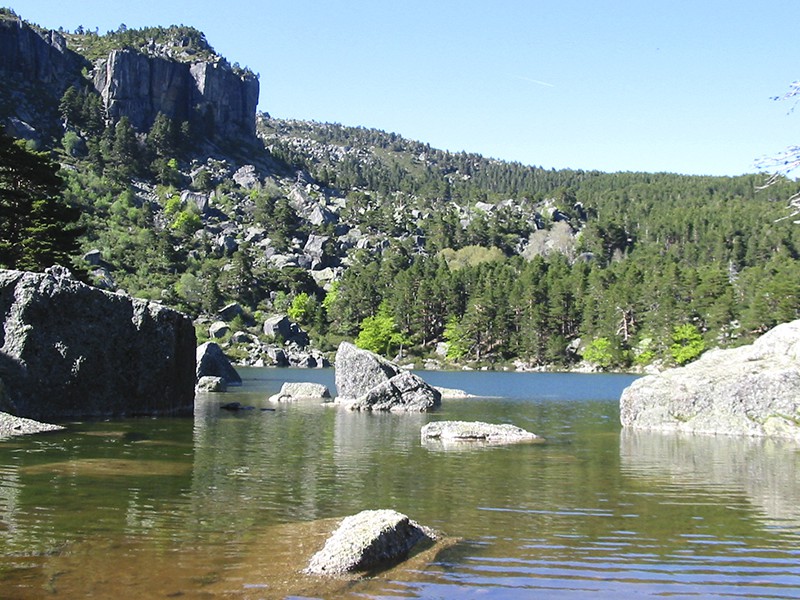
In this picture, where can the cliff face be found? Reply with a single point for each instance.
(37, 57)
(37, 67)
(211, 96)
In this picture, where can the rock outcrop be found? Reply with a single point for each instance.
(476, 431)
(293, 391)
(369, 541)
(753, 390)
(211, 361)
(366, 381)
(71, 350)
(210, 96)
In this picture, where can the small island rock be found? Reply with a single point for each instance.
(368, 541)
(471, 431)
(291, 391)
(753, 390)
(210, 383)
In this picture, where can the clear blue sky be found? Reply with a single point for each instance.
(641, 85)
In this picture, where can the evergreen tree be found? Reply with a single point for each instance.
(37, 228)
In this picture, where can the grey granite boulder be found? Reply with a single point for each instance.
(366, 381)
(211, 383)
(292, 391)
(405, 392)
(368, 541)
(753, 390)
(477, 431)
(358, 371)
(211, 360)
(70, 350)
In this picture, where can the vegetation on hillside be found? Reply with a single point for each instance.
(361, 234)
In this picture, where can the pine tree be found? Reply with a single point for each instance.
(36, 226)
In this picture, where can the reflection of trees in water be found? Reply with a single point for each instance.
(765, 470)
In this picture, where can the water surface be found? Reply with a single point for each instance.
(229, 505)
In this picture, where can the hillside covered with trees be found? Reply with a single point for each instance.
(361, 234)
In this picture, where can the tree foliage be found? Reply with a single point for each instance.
(37, 228)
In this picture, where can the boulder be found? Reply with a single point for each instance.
(211, 360)
(210, 383)
(218, 329)
(282, 326)
(405, 392)
(71, 350)
(358, 371)
(11, 426)
(291, 391)
(366, 381)
(369, 541)
(476, 431)
(753, 390)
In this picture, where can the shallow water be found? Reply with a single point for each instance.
(231, 505)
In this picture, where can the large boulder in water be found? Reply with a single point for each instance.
(70, 350)
(358, 371)
(365, 381)
(368, 541)
(753, 390)
(212, 362)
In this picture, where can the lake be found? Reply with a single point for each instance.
(222, 505)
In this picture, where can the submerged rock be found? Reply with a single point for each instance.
(477, 431)
(291, 391)
(753, 390)
(366, 381)
(368, 541)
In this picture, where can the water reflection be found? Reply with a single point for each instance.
(766, 471)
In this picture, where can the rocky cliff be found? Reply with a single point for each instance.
(35, 68)
(69, 350)
(216, 99)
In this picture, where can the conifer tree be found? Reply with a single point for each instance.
(37, 228)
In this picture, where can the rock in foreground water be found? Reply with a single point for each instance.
(71, 350)
(753, 390)
(477, 431)
(368, 541)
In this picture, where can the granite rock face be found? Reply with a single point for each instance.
(753, 390)
(70, 350)
(368, 541)
(210, 96)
